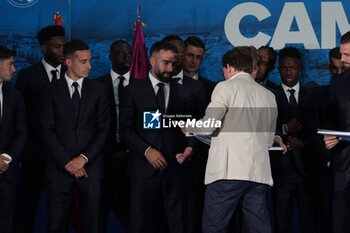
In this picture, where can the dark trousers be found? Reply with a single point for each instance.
(221, 199)
(286, 195)
(155, 201)
(59, 195)
(10, 216)
(341, 203)
(33, 185)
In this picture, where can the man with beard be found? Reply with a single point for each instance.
(340, 154)
(32, 81)
(156, 178)
(116, 80)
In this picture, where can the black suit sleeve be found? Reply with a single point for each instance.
(104, 119)
(128, 122)
(49, 137)
(18, 145)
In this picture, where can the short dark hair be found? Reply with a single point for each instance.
(272, 52)
(6, 53)
(163, 45)
(334, 53)
(239, 59)
(170, 38)
(195, 41)
(118, 42)
(345, 38)
(72, 46)
(45, 34)
(290, 52)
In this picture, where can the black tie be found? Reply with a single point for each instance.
(76, 99)
(293, 101)
(160, 97)
(54, 75)
(120, 86)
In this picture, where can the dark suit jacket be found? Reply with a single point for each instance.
(209, 87)
(340, 96)
(169, 141)
(107, 81)
(300, 159)
(65, 137)
(13, 131)
(32, 81)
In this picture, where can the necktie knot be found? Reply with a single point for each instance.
(54, 75)
(75, 85)
(291, 91)
(292, 99)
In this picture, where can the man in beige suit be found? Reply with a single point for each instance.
(238, 168)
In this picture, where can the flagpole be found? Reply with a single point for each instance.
(69, 20)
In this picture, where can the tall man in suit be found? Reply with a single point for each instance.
(116, 80)
(238, 168)
(293, 183)
(156, 178)
(13, 139)
(76, 119)
(32, 81)
(268, 58)
(340, 159)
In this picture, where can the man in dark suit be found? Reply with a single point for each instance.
(292, 174)
(116, 80)
(75, 118)
(13, 139)
(156, 178)
(268, 58)
(340, 159)
(32, 81)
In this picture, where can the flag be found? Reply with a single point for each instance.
(140, 63)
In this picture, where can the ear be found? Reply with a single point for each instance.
(68, 62)
(152, 61)
(43, 48)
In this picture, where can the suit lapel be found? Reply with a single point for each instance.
(86, 92)
(6, 102)
(43, 75)
(63, 94)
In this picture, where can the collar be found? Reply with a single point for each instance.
(179, 76)
(296, 87)
(49, 67)
(70, 81)
(115, 76)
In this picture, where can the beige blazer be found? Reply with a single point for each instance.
(248, 113)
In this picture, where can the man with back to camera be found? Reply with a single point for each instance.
(75, 117)
(13, 139)
(238, 168)
(340, 150)
(32, 81)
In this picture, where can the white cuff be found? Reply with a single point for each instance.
(6, 156)
(86, 159)
(147, 150)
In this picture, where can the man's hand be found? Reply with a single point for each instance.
(294, 143)
(181, 157)
(80, 173)
(278, 140)
(293, 126)
(4, 164)
(75, 164)
(156, 159)
(330, 141)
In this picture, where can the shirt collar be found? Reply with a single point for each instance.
(49, 67)
(155, 81)
(296, 87)
(70, 81)
(115, 76)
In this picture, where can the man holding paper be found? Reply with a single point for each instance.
(238, 168)
(340, 94)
